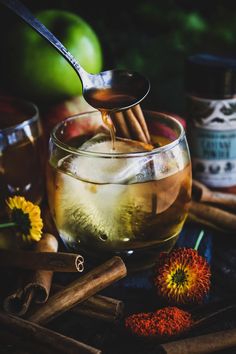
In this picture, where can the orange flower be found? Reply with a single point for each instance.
(182, 276)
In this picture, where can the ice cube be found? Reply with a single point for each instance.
(102, 143)
(92, 195)
(108, 169)
(84, 208)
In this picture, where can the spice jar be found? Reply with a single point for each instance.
(211, 119)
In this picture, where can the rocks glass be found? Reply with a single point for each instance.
(130, 201)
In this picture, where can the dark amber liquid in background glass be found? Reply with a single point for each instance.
(21, 160)
(12, 118)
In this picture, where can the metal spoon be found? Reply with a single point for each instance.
(112, 90)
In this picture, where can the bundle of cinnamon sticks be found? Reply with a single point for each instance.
(34, 300)
(131, 124)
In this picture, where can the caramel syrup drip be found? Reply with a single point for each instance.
(109, 124)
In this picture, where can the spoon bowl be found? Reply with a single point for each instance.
(116, 90)
(111, 90)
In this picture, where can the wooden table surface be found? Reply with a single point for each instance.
(138, 296)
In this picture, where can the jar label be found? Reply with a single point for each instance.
(212, 141)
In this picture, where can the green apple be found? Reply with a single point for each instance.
(38, 71)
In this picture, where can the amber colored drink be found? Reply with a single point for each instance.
(21, 152)
(128, 201)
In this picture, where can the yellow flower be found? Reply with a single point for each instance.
(26, 217)
(183, 276)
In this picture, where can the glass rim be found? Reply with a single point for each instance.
(25, 122)
(78, 151)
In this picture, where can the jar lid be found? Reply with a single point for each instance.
(210, 76)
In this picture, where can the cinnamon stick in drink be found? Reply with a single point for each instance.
(208, 343)
(135, 128)
(32, 332)
(80, 290)
(36, 285)
(120, 125)
(131, 124)
(137, 110)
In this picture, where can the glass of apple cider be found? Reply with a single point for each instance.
(122, 199)
(21, 151)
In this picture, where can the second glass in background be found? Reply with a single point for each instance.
(22, 170)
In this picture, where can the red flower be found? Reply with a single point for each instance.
(182, 276)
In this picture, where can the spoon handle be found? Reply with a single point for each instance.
(23, 12)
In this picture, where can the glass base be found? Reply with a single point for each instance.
(134, 259)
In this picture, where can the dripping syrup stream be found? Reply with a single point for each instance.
(108, 122)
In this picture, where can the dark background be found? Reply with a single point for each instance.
(152, 37)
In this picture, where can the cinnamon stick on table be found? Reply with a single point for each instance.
(80, 290)
(208, 343)
(202, 193)
(53, 340)
(213, 216)
(102, 308)
(35, 286)
(98, 307)
(56, 262)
